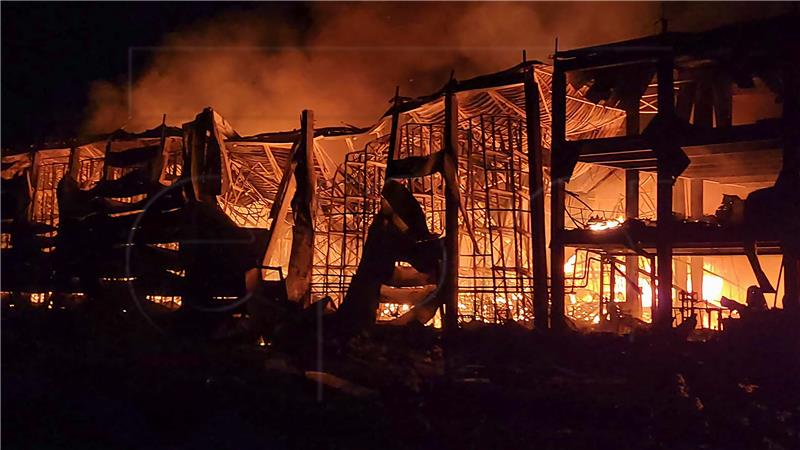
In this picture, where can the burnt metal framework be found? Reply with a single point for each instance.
(711, 147)
(501, 224)
(496, 280)
(599, 273)
(86, 162)
(88, 166)
(708, 315)
(346, 207)
(48, 170)
(91, 170)
(496, 259)
(258, 166)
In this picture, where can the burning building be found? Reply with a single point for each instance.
(615, 138)
(708, 114)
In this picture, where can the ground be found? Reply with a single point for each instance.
(71, 382)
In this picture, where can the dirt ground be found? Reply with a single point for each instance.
(69, 381)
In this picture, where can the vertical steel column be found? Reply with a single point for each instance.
(664, 230)
(450, 288)
(536, 184)
(704, 118)
(790, 172)
(394, 136)
(106, 167)
(679, 207)
(633, 298)
(557, 193)
(601, 317)
(696, 211)
(612, 295)
(157, 165)
(489, 240)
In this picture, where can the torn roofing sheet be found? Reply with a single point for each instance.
(503, 93)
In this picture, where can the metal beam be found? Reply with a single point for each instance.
(277, 213)
(679, 207)
(740, 179)
(450, 287)
(74, 170)
(663, 313)
(632, 296)
(536, 183)
(733, 136)
(394, 136)
(696, 212)
(606, 60)
(557, 195)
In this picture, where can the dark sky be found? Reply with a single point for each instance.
(51, 52)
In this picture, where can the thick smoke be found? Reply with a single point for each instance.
(260, 71)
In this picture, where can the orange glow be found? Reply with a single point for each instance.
(569, 266)
(171, 302)
(390, 311)
(37, 298)
(117, 279)
(586, 287)
(597, 224)
(712, 288)
(647, 293)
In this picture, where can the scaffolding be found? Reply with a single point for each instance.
(495, 255)
(495, 282)
(495, 270)
(49, 169)
(346, 207)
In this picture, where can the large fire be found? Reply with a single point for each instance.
(585, 277)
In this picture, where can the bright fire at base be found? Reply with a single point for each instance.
(588, 285)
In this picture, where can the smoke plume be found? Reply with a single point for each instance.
(260, 71)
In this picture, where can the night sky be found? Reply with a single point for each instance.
(51, 52)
